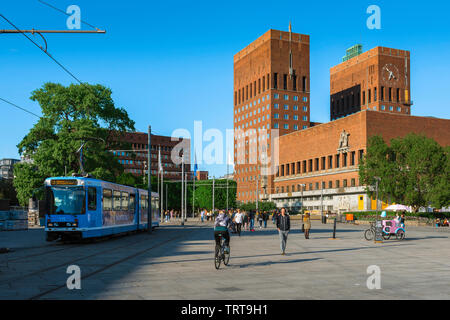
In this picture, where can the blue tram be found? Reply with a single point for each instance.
(79, 207)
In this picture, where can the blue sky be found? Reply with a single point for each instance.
(171, 63)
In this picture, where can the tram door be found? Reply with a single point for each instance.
(94, 212)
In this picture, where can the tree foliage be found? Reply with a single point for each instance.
(414, 171)
(71, 116)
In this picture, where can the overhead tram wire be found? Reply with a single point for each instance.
(40, 48)
(23, 109)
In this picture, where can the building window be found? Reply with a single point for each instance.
(330, 184)
(295, 98)
(286, 126)
(285, 81)
(286, 117)
(276, 106)
(275, 125)
(275, 81)
(286, 97)
(295, 127)
(337, 184)
(353, 182)
(286, 107)
(399, 109)
(344, 184)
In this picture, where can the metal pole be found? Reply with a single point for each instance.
(166, 196)
(257, 180)
(149, 200)
(321, 200)
(193, 197)
(227, 184)
(185, 195)
(182, 189)
(213, 197)
(162, 194)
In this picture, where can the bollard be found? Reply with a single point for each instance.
(334, 229)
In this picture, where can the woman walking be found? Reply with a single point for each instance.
(245, 221)
(306, 224)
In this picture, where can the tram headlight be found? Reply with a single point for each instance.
(50, 224)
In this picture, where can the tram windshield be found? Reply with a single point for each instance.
(66, 200)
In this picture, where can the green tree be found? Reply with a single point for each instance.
(71, 116)
(413, 170)
(203, 194)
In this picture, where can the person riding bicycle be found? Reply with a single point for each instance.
(221, 227)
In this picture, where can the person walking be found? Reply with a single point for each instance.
(283, 226)
(260, 219)
(238, 218)
(202, 215)
(251, 217)
(306, 224)
(245, 221)
(274, 216)
(265, 218)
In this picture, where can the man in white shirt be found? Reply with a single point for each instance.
(238, 219)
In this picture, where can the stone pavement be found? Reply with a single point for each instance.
(177, 263)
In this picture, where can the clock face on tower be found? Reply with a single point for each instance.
(390, 73)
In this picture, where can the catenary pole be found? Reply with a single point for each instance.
(182, 189)
(149, 197)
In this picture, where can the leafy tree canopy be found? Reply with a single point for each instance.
(414, 171)
(72, 115)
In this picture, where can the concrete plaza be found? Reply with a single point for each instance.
(176, 262)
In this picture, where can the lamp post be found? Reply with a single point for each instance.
(377, 179)
(149, 200)
(182, 189)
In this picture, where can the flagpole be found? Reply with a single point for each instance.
(162, 190)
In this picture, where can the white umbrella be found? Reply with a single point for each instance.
(398, 207)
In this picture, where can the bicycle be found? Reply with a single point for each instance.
(221, 254)
(369, 234)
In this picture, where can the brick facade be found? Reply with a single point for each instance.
(271, 92)
(378, 79)
(312, 157)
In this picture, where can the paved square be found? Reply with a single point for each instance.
(177, 263)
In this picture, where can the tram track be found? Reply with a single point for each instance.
(110, 265)
(37, 272)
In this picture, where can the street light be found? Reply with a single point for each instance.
(302, 186)
(377, 179)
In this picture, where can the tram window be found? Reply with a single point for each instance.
(107, 199)
(116, 200)
(125, 201)
(143, 202)
(131, 204)
(92, 198)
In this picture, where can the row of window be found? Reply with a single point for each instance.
(262, 84)
(317, 164)
(315, 186)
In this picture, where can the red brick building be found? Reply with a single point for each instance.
(135, 159)
(319, 166)
(378, 79)
(271, 91)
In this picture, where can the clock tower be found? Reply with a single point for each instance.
(377, 80)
